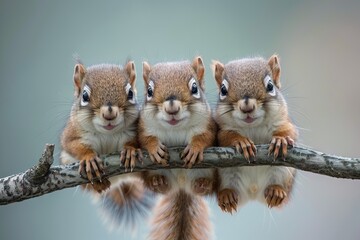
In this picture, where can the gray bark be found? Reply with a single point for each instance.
(44, 178)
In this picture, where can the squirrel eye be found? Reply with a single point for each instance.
(130, 93)
(194, 89)
(150, 91)
(269, 85)
(85, 98)
(224, 89)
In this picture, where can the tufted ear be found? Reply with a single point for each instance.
(274, 64)
(146, 72)
(79, 73)
(218, 70)
(130, 69)
(198, 67)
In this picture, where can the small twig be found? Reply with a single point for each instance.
(43, 178)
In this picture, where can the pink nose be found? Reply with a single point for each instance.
(247, 108)
(109, 117)
(172, 111)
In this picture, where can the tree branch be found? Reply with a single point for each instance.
(43, 178)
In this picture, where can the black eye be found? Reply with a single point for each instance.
(130, 94)
(85, 96)
(223, 90)
(150, 91)
(194, 88)
(270, 86)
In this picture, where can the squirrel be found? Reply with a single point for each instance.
(251, 110)
(103, 120)
(176, 113)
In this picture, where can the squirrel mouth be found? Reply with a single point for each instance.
(173, 121)
(109, 127)
(249, 119)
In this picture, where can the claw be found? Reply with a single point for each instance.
(278, 146)
(228, 200)
(192, 155)
(274, 195)
(246, 147)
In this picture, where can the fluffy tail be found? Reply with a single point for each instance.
(181, 216)
(126, 204)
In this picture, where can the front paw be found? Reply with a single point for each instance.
(91, 167)
(158, 183)
(159, 154)
(228, 200)
(279, 145)
(246, 147)
(192, 155)
(128, 157)
(274, 195)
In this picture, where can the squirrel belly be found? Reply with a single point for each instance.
(251, 110)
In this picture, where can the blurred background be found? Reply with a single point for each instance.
(317, 41)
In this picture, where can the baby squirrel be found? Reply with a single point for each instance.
(251, 110)
(176, 113)
(103, 120)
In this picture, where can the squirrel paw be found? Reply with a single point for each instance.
(279, 145)
(274, 195)
(128, 157)
(101, 186)
(192, 155)
(246, 147)
(97, 186)
(91, 168)
(159, 154)
(228, 200)
(203, 186)
(158, 183)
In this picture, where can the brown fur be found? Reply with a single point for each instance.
(247, 91)
(181, 213)
(172, 79)
(180, 216)
(107, 84)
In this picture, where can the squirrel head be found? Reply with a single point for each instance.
(105, 96)
(174, 91)
(248, 89)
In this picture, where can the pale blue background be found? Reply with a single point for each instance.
(318, 43)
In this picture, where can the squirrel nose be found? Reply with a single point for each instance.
(247, 109)
(109, 117)
(247, 105)
(172, 111)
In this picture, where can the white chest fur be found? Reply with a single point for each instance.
(107, 143)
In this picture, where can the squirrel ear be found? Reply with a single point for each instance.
(198, 66)
(79, 73)
(130, 69)
(274, 64)
(218, 70)
(146, 72)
